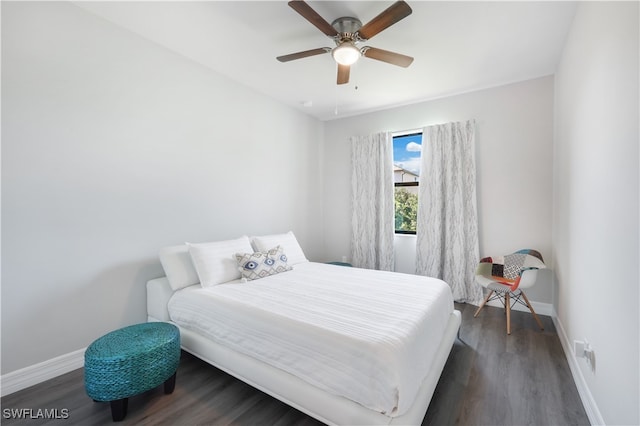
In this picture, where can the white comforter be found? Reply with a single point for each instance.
(369, 336)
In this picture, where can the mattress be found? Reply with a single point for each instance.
(369, 336)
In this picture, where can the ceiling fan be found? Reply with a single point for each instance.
(347, 33)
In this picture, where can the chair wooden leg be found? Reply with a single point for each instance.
(507, 307)
(486, 299)
(532, 311)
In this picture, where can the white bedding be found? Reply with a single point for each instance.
(349, 331)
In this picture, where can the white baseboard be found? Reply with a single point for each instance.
(590, 406)
(539, 307)
(38, 373)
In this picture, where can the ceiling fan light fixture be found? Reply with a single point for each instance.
(346, 54)
(347, 32)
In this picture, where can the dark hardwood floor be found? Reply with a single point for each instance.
(489, 379)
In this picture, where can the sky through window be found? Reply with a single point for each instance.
(406, 152)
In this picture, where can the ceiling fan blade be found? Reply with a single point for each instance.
(305, 54)
(394, 13)
(343, 73)
(312, 16)
(386, 56)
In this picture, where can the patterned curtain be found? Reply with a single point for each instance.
(447, 227)
(372, 217)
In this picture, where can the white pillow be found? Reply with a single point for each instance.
(215, 262)
(178, 266)
(287, 241)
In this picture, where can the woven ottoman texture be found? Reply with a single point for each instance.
(130, 361)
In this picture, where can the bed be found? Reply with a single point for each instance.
(343, 345)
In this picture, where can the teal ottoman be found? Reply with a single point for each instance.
(130, 361)
(340, 264)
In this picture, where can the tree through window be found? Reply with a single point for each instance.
(407, 149)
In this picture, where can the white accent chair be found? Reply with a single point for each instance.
(506, 277)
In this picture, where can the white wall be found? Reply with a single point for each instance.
(595, 224)
(113, 147)
(514, 137)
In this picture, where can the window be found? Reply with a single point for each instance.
(407, 148)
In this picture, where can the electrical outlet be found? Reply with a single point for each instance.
(582, 349)
(590, 355)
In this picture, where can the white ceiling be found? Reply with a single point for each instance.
(457, 46)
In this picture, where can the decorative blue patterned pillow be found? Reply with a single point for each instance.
(262, 263)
